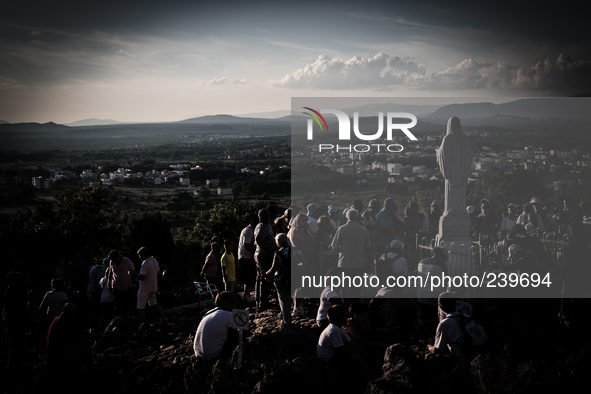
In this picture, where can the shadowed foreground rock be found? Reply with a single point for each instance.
(158, 358)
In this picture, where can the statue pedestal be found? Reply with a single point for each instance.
(454, 235)
(454, 226)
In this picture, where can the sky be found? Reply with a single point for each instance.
(160, 61)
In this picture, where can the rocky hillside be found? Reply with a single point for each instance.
(531, 349)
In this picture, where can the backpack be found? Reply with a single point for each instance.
(384, 266)
(474, 335)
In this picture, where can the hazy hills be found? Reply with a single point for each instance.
(534, 108)
(543, 114)
(231, 119)
(32, 137)
(93, 122)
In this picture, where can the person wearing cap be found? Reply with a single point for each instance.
(434, 216)
(509, 220)
(335, 217)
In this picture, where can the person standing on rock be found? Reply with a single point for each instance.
(247, 272)
(281, 271)
(264, 237)
(352, 242)
(148, 285)
(228, 266)
(122, 269)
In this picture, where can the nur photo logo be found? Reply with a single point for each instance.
(345, 125)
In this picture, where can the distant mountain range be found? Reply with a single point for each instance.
(553, 107)
(231, 119)
(92, 122)
(517, 115)
(534, 108)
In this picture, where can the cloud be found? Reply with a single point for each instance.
(241, 81)
(377, 72)
(471, 74)
(564, 72)
(215, 81)
(556, 76)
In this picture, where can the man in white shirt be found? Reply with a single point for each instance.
(449, 336)
(336, 348)
(148, 285)
(247, 272)
(212, 333)
(333, 340)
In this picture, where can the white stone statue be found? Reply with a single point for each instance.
(454, 157)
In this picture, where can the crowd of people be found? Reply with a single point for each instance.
(383, 241)
(64, 324)
(256, 270)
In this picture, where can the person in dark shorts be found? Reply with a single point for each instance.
(246, 273)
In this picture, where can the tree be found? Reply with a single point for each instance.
(63, 237)
(502, 188)
(152, 230)
(225, 220)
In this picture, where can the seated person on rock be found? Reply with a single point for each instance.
(215, 337)
(449, 336)
(334, 343)
(336, 348)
